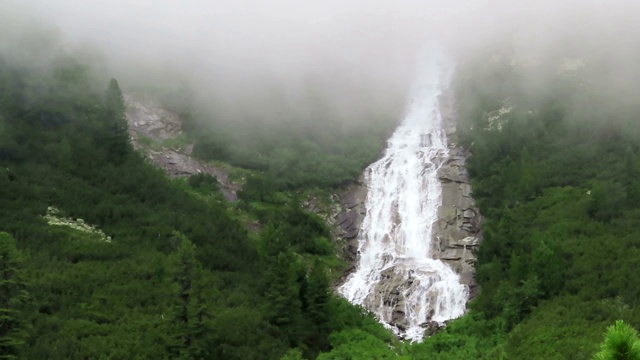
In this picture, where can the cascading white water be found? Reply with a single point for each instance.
(397, 277)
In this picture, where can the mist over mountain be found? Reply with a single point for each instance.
(269, 61)
(284, 58)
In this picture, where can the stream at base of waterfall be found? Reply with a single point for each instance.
(397, 276)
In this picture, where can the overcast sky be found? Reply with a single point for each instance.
(353, 54)
(276, 35)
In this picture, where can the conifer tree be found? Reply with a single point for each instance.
(115, 123)
(621, 342)
(283, 296)
(191, 318)
(317, 295)
(13, 296)
(317, 305)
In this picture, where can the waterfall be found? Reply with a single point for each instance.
(397, 276)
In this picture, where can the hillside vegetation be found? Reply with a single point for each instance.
(103, 256)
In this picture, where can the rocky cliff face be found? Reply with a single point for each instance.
(459, 228)
(348, 219)
(151, 127)
(343, 214)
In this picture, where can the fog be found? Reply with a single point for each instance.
(308, 60)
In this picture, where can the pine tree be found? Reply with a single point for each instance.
(13, 296)
(191, 318)
(317, 303)
(283, 296)
(116, 133)
(317, 295)
(621, 342)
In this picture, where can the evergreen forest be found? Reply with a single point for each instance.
(103, 256)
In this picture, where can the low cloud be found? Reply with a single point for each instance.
(285, 59)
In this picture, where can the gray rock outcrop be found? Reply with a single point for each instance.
(344, 214)
(458, 231)
(432, 327)
(150, 123)
(349, 219)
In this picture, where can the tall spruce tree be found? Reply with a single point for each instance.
(318, 294)
(621, 342)
(191, 318)
(283, 296)
(116, 133)
(13, 296)
(317, 305)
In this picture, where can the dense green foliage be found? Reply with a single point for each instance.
(112, 259)
(298, 153)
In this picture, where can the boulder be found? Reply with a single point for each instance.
(449, 173)
(431, 328)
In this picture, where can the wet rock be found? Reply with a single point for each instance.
(469, 241)
(346, 219)
(451, 254)
(430, 315)
(351, 198)
(458, 230)
(352, 233)
(457, 160)
(450, 174)
(349, 215)
(431, 328)
(468, 227)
